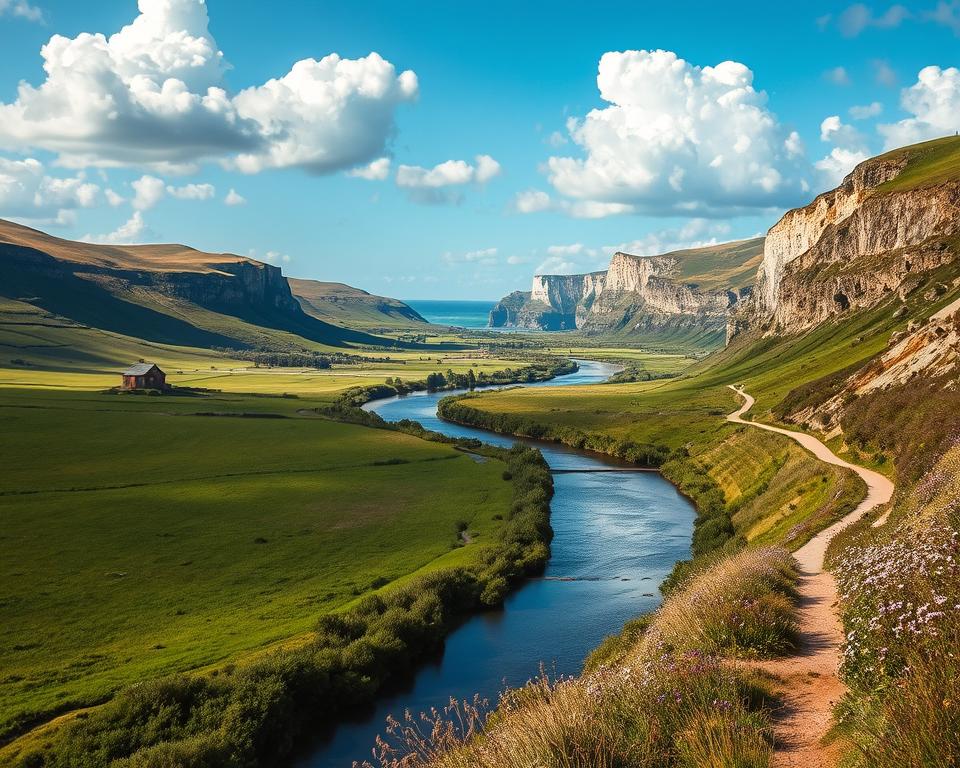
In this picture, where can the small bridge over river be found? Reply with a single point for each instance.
(597, 471)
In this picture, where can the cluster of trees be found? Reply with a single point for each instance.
(299, 358)
(437, 382)
(458, 409)
(253, 714)
(633, 373)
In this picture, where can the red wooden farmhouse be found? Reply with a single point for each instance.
(144, 376)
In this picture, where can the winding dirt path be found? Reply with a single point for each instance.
(809, 677)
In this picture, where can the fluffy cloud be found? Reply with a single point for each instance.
(21, 9)
(377, 170)
(128, 232)
(440, 184)
(850, 148)
(695, 233)
(148, 191)
(677, 138)
(535, 201)
(152, 95)
(192, 192)
(28, 192)
(934, 103)
(234, 198)
(532, 201)
(114, 198)
(858, 17)
(865, 111)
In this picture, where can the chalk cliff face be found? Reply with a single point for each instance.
(852, 246)
(636, 294)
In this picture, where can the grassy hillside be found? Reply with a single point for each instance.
(159, 258)
(352, 308)
(927, 164)
(727, 265)
(163, 293)
(140, 539)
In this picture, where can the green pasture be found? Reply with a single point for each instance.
(140, 539)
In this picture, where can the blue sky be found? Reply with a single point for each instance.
(676, 154)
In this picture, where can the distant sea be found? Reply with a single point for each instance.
(464, 314)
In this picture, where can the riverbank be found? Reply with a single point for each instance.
(616, 535)
(254, 710)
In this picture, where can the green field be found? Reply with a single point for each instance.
(139, 539)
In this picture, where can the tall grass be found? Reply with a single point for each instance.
(743, 604)
(661, 695)
(686, 709)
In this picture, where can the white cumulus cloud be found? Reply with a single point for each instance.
(128, 232)
(934, 103)
(28, 192)
(377, 170)
(192, 191)
(443, 182)
(234, 198)
(153, 95)
(850, 148)
(532, 201)
(677, 138)
(148, 191)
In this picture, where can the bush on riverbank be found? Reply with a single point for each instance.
(457, 408)
(658, 695)
(543, 370)
(252, 714)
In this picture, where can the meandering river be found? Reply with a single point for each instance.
(616, 536)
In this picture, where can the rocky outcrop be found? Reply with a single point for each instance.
(851, 247)
(636, 293)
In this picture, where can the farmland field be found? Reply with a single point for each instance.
(139, 539)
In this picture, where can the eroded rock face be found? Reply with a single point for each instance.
(801, 228)
(849, 248)
(636, 292)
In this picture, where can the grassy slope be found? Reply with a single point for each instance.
(728, 265)
(352, 308)
(928, 164)
(130, 545)
(772, 483)
(102, 286)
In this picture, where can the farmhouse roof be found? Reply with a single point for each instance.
(139, 369)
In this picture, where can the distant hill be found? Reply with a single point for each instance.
(174, 294)
(350, 307)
